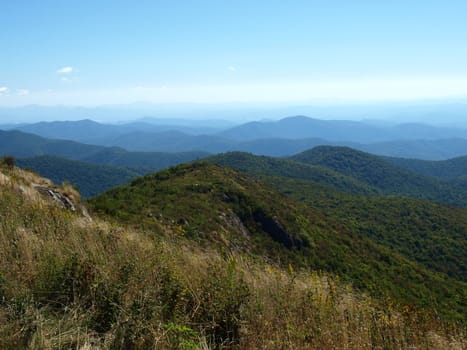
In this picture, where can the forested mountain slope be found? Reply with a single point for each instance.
(443, 169)
(377, 172)
(208, 203)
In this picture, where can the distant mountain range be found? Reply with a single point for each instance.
(273, 138)
(89, 131)
(301, 127)
(342, 168)
(24, 145)
(296, 127)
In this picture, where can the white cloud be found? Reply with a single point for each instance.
(22, 92)
(3, 90)
(66, 80)
(231, 68)
(65, 70)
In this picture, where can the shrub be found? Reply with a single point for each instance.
(10, 161)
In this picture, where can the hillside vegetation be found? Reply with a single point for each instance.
(351, 171)
(69, 281)
(377, 172)
(269, 166)
(444, 169)
(220, 207)
(432, 234)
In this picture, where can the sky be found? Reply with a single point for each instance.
(97, 52)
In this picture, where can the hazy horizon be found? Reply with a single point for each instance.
(433, 112)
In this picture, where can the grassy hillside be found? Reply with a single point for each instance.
(67, 281)
(215, 205)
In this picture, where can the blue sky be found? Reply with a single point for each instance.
(106, 52)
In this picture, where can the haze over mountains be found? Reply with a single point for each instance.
(222, 115)
(284, 137)
(139, 147)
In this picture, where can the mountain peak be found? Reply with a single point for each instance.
(296, 118)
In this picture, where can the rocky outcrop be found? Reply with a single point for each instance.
(276, 231)
(62, 200)
(36, 188)
(234, 222)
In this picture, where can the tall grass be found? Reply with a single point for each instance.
(70, 283)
